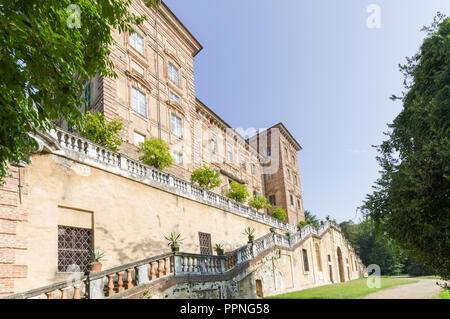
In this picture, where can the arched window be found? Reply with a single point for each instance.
(319, 259)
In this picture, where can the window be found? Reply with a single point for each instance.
(295, 179)
(289, 174)
(137, 42)
(329, 258)
(293, 159)
(319, 259)
(87, 96)
(268, 151)
(176, 125)
(272, 200)
(74, 249)
(305, 260)
(292, 199)
(138, 138)
(298, 203)
(286, 152)
(229, 156)
(138, 101)
(253, 169)
(244, 166)
(205, 243)
(173, 73)
(213, 146)
(174, 97)
(178, 158)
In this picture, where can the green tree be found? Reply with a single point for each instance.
(238, 192)
(155, 152)
(206, 177)
(311, 219)
(350, 231)
(97, 129)
(279, 213)
(45, 58)
(377, 248)
(259, 202)
(411, 198)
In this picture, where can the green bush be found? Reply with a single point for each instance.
(238, 192)
(206, 177)
(279, 214)
(259, 202)
(155, 152)
(97, 129)
(301, 224)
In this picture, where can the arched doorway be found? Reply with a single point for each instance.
(340, 265)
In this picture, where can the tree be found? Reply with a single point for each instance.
(279, 213)
(46, 55)
(350, 231)
(411, 198)
(312, 219)
(238, 192)
(98, 130)
(155, 152)
(259, 202)
(206, 177)
(377, 248)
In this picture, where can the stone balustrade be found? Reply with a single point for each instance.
(103, 284)
(84, 150)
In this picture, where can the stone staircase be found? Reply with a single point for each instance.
(167, 270)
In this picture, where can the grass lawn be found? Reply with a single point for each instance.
(354, 289)
(445, 294)
(426, 277)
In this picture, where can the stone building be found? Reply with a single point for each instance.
(76, 196)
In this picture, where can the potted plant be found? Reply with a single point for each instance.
(301, 224)
(95, 264)
(219, 249)
(174, 241)
(272, 229)
(250, 232)
(288, 234)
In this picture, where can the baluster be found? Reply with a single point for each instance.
(190, 263)
(64, 292)
(111, 284)
(76, 292)
(160, 268)
(50, 295)
(129, 278)
(167, 266)
(152, 270)
(120, 282)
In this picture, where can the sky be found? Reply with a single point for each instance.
(317, 67)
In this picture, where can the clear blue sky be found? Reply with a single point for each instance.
(316, 67)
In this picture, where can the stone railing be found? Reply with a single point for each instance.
(104, 284)
(90, 153)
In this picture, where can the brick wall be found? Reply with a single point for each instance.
(10, 215)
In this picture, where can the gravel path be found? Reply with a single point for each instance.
(424, 289)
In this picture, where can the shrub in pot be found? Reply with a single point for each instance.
(174, 241)
(95, 264)
(250, 232)
(219, 249)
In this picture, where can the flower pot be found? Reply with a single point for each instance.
(272, 229)
(220, 252)
(95, 266)
(175, 248)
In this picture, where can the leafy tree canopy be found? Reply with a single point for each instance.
(259, 202)
(279, 213)
(155, 152)
(311, 219)
(96, 128)
(206, 177)
(238, 192)
(46, 53)
(411, 198)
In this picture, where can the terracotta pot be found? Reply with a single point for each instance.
(95, 266)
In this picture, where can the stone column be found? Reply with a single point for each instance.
(142, 275)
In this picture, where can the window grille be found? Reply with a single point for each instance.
(74, 248)
(205, 243)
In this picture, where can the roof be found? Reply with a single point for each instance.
(288, 135)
